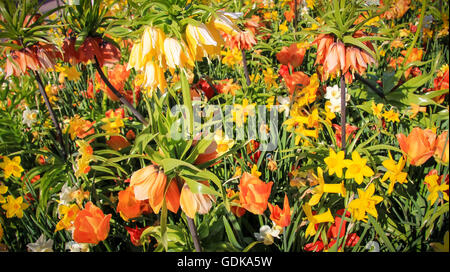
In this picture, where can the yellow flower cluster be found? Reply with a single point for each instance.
(155, 52)
(11, 167)
(84, 158)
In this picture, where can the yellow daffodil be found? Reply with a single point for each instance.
(231, 57)
(3, 190)
(223, 143)
(86, 155)
(113, 123)
(391, 116)
(68, 214)
(322, 188)
(79, 127)
(283, 28)
(329, 115)
(335, 163)
(11, 167)
(71, 73)
(394, 172)
(14, 206)
(415, 109)
(357, 168)
(365, 203)
(315, 219)
(377, 109)
(255, 171)
(270, 78)
(434, 188)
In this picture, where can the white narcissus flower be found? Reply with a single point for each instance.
(41, 245)
(285, 103)
(66, 195)
(29, 117)
(333, 94)
(372, 246)
(266, 234)
(73, 246)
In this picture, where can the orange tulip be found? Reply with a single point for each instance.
(129, 207)
(254, 193)
(117, 142)
(192, 203)
(236, 208)
(91, 225)
(149, 183)
(295, 81)
(281, 217)
(292, 55)
(442, 143)
(419, 146)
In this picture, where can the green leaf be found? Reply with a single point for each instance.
(198, 149)
(389, 81)
(356, 42)
(381, 233)
(197, 187)
(170, 164)
(230, 234)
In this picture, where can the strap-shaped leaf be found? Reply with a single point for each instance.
(357, 42)
(170, 164)
(197, 187)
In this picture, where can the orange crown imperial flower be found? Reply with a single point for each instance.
(193, 203)
(150, 183)
(105, 52)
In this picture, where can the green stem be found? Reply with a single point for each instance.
(118, 94)
(59, 135)
(343, 113)
(244, 62)
(194, 235)
(108, 248)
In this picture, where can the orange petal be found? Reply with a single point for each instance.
(173, 197)
(187, 202)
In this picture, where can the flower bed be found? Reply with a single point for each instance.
(255, 126)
